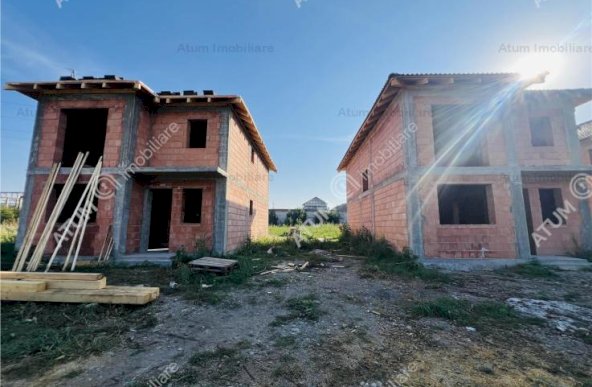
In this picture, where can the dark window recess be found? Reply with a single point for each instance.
(250, 207)
(252, 155)
(70, 206)
(541, 133)
(551, 200)
(198, 130)
(455, 139)
(465, 204)
(85, 132)
(192, 205)
(365, 181)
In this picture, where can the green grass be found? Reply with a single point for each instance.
(384, 260)
(482, 314)
(304, 307)
(324, 231)
(8, 230)
(532, 269)
(284, 342)
(36, 336)
(201, 358)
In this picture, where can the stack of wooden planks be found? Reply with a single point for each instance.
(70, 287)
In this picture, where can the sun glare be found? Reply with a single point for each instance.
(533, 65)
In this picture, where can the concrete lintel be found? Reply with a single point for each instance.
(88, 96)
(190, 108)
(464, 171)
(558, 168)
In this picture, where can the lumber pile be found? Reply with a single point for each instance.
(70, 287)
(73, 230)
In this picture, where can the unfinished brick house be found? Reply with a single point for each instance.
(469, 166)
(178, 168)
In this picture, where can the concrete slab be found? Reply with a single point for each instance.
(160, 259)
(460, 264)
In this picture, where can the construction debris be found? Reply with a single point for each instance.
(562, 315)
(286, 268)
(71, 287)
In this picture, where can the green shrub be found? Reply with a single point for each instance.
(9, 214)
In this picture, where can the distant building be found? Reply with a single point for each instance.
(315, 204)
(342, 211)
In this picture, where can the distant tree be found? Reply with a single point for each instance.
(295, 216)
(273, 219)
(333, 217)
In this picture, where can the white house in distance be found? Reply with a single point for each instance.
(312, 208)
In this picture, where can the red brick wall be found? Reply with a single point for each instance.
(461, 241)
(381, 209)
(185, 235)
(390, 214)
(529, 155)
(246, 181)
(495, 149)
(175, 152)
(53, 124)
(95, 232)
(181, 235)
(561, 240)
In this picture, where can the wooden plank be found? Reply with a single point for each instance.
(74, 284)
(31, 230)
(51, 276)
(109, 295)
(214, 262)
(22, 286)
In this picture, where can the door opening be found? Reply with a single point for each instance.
(160, 219)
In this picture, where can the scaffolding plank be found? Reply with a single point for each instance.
(51, 276)
(76, 284)
(109, 295)
(22, 286)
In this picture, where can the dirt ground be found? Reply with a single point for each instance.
(364, 335)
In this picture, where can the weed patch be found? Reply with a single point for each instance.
(305, 308)
(532, 269)
(384, 260)
(463, 312)
(37, 336)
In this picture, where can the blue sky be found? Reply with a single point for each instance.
(324, 61)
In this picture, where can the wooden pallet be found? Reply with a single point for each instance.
(71, 287)
(214, 265)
